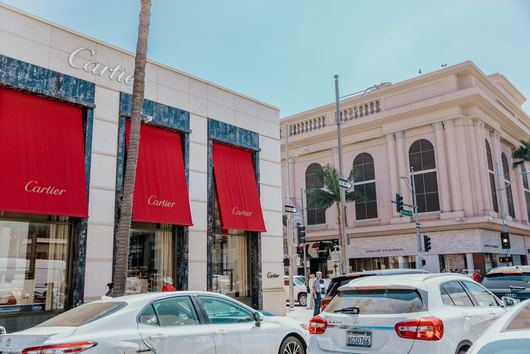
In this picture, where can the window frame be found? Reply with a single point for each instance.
(506, 175)
(423, 172)
(319, 214)
(491, 175)
(441, 287)
(364, 182)
(196, 306)
(231, 302)
(526, 190)
(474, 299)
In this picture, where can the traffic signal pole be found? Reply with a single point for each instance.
(290, 231)
(417, 218)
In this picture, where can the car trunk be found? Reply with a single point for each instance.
(15, 343)
(363, 320)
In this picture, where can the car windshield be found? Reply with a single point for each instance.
(299, 281)
(377, 301)
(84, 314)
(517, 277)
(507, 346)
(336, 284)
(521, 321)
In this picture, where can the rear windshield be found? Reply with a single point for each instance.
(507, 346)
(377, 301)
(84, 314)
(521, 321)
(524, 277)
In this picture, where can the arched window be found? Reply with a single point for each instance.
(507, 185)
(491, 173)
(526, 190)
(421, 158)
(364, 183)
(315, 216)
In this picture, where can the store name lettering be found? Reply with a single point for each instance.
(271, 275)
(91, 66)
(153, 200)
(386, 250)
(34, 187)
(237, 212)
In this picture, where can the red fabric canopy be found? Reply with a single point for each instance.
(42, 156)
(160, 191)
(237, 189)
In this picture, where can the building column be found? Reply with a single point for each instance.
(496, 152)
(441, 164)
(402, 166)
(464, 167)
(452, 158)
(517, 191)
(469, 261)
(476, 171)
(522, 200)
(480, 140)
(392, 169)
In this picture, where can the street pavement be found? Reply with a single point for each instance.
(300, 314)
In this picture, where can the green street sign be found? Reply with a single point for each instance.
(406, 212)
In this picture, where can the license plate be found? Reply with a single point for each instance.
(359, 339)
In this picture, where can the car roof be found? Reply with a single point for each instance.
(418, 280)
(147, 297)
(381, 272)
(519, 268)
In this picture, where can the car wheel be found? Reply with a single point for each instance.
(292, 345)
(463, 350)
(302, 299)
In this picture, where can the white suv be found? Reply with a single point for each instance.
(300, 289)
(412, 313)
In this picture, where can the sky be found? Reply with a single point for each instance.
(285, 52)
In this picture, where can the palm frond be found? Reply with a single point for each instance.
(318, 198)
(521, 154)
(354, 196)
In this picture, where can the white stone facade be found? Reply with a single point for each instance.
(36, 41)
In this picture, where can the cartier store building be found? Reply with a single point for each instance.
(207, 198)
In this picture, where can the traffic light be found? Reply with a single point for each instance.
(300, 232)
(505, 240)
(506, 259)
(399, 203)
(426, 243)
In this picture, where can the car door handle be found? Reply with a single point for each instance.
(158, 336)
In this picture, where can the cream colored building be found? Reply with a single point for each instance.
(454, 126)
(47, 64)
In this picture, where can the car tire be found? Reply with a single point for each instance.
(302, 299)
(292, 345)
(463, 350)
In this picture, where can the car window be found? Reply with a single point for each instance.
(298, 281)
(521, 320)
(481, 295)
(148, 316)
(224, 311)
(176, 311)
(446, 299)
(523, 277)
(377, 301)
(457, 294)
(84, 314)
(507, 346)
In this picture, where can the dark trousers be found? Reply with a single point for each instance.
(317, 305)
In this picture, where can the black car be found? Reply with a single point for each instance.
(337, 282)
(512, 282)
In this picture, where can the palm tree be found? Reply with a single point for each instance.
(521, 154)
(324, 198)
(124, 226)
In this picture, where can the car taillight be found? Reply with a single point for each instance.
(324, 303)
(317, 325)
(426, 328)
(60, 348)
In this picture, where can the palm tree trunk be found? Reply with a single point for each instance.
(124, 227)
(341, 241)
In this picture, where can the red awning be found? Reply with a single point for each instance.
(42, 155)
(237, 189)
(160, 193)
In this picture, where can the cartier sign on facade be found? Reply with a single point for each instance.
(112, 72)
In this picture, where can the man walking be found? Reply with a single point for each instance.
(310, 299)
(317, 288)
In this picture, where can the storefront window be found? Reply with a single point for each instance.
(453, 263)
(34, 267)
(230, 264)
(375, 263)
(151, 259)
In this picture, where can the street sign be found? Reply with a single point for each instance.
(290, 209)
(344, 183)
(406, 212)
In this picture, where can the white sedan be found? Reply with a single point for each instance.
(405, 314)
(161, 323)
(510, 334)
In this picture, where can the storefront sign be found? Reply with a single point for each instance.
(237, 212)
(34, 187)
(384, 250)
(154, 201)
(115, 72)
(272, 275)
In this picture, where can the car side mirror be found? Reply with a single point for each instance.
(509, 301)
(258, 318)
(2, 330)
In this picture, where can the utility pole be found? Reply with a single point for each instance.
(417, 217)
(290, 236)
(500, 190)
(303, 223)
(342, 229)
